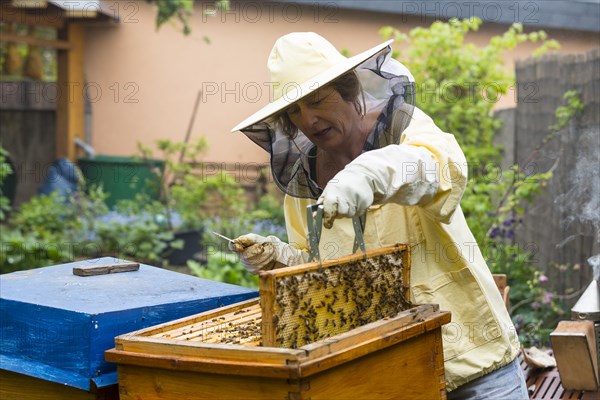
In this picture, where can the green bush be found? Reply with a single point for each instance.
(459, 83)
(50, 229)
(187, 191)
(224, 267)
(181, 11)
(5, 171)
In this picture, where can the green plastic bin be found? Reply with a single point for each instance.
(122, 177)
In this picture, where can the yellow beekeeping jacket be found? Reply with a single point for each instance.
(447, 265)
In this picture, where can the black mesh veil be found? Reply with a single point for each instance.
(386, 85)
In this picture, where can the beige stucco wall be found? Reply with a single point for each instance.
(143, 83)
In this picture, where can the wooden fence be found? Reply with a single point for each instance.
(563, 226)
(28, 121)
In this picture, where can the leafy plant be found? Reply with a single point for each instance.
(266, 219)
(182, 10)
(22, 250)
(5, 171)
(459, 82)
(224, 267)
(138, 230)
(49, 229)
(189, 193)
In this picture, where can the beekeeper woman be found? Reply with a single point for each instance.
(344, 132)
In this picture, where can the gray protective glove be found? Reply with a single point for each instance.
(405, 173)
(260, 253)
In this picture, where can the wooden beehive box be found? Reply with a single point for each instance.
(222, 353)
(206, 357)
(55, 326)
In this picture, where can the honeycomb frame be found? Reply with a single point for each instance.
(311, 302)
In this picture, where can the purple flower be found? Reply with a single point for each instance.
(495, 232)
(547, 297)
(536, 305)
(509, 221)
(510, 234)
(543, 278)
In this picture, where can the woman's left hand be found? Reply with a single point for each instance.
(409, 174)
(346, 195)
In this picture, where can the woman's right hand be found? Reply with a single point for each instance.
(260, 253)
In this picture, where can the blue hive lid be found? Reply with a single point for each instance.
(57, 287)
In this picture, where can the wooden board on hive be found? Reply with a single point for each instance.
(310, 302)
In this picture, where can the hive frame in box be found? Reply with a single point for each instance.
(310, 302)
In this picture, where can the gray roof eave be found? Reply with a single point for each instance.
(578, 15)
